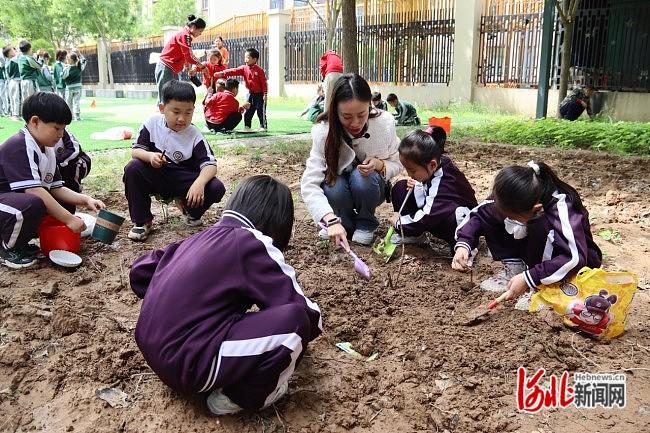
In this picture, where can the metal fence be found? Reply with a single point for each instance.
(401, 53)
(611, 46)
(91, 72)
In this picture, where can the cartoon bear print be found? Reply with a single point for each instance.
(593, 315)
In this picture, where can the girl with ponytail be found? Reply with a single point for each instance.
(441, 197)
(536, 225)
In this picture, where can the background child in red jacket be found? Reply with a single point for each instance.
(255, 81)
(213, 65)
(222, 110)
(331, 68)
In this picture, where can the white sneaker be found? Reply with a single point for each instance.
(279, 393)
(140, 233)
(323, 234)
(397, 239)
(263, 129)
(499, 281)
(247, 129)
(363, 237)
(219, 404)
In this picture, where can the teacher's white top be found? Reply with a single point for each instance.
(381, 142)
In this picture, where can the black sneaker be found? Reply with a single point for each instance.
(16, 259)
(32, 250)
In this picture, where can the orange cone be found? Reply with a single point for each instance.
(93, 104)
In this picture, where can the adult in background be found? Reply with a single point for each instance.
(576, 102)
(331, 68)
(225, 55)
(178, 52)
(354, 154)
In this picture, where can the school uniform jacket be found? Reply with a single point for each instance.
(56, 73)
(24, 165)
(13, 70)
(67, 149)
(29, 67)
(254, 77)
(559, 240)
(405, 111)
(71, 74)
(330, 62)
(194, 290)
(219, 106)
(446, 192)
(187, 148)
(178, 51)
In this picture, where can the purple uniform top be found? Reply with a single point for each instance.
(558, 241)
(441, 195)
(195, 289)
(24, 165)
(67, 149)
(186, 148)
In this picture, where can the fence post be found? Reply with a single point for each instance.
(278, 21)
(467, 16)
(545, 59)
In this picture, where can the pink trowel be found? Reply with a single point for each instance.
(359, 265)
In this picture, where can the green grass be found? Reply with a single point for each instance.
(110, 112)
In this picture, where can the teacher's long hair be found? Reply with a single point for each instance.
(348, 86)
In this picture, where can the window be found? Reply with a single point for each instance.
(204, 5)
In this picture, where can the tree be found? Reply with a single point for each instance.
(171, 13)
(105, 20)
(349, 45)
(567, 10)
(332, 9)
(38, 19)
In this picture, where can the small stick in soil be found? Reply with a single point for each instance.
(375, 415)
(582, 354)
(401, 260)
(279, 418)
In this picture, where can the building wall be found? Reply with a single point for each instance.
(220, 10)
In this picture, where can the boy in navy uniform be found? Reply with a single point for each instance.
(30, 181)
(195, 329)
(171, 159)
(30, 69)
(255, 81)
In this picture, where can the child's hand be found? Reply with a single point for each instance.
(393, 219)
(156, 159)
(195, 196)
(75, 224)
(516, 287)
(94, 204)
(460, 260)
(410, 183)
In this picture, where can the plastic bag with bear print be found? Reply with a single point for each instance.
(594, 301)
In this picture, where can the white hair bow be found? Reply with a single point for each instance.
(534, 166)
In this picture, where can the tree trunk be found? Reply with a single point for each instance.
(565, 61)
(332, 16)
(349, 45)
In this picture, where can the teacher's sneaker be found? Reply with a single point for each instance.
(323, 234)
(219, 404)
(140, 233)
(193, 222)
(397, 239)
(499, 281)
(363, 237)
(246, 129)
(16, 258)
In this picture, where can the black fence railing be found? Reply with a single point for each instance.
(611, 47)
(400, 53)
(132, 66)
(91, 72)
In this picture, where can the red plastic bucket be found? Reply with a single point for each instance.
(55, 235)
(443, 122)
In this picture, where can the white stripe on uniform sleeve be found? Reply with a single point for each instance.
(567, 232)
(469, 215)
(18, 225)
(276, 255)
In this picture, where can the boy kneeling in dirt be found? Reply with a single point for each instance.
(30, 181)
(171, 159)
(194, 329)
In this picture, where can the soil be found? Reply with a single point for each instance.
(432, 375)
